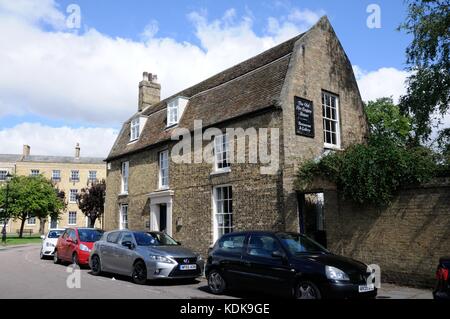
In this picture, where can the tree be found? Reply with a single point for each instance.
(53, 212)
(428, 91)
(385, 120)
(91, 201)
(32, 196)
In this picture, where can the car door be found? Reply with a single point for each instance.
(107, 247)
(61, 244)
(267, 267)
(72, 243)
(228, 255)
(124, 256)
(64, 245)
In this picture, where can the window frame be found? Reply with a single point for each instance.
(71, 213)
(3, 173)
(35, 172)
(336, 121)
(58, 177)
(30, 217)
(125, 167)
(161, 169)
(121, 215)
(74, 175)
(219, 231)
(70, 196)
(224, 141)
(135, 129)
(90, 176)
(173, 112)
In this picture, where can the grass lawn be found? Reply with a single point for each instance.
(15, 240)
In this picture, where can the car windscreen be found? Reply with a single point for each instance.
(162, 239)
(90, 235)
(300, 244)
(144, 239)
(55, 233)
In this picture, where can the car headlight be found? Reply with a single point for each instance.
(161, 259)
(84, 248)
(199, 257)
(49, 244)
(335, 273)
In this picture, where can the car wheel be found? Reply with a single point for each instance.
(139, 275)
(75, 260)
(216, 282)
(96, 268)
(56, 259)
(307, 290)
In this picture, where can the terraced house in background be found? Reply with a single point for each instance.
(68, 173)
(304, 88)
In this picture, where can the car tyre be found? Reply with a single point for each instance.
(56, 259)
(307, 290)
(139, 275)
(96, 267)
(216, 283)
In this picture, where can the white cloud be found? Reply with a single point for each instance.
(46, 140)
(384, 82)
(91, 77)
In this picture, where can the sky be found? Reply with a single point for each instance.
(69, 70)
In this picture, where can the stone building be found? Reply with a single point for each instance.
(302, 100)
(68, 173)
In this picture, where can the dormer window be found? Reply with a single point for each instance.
(136, 127)
(175, 109)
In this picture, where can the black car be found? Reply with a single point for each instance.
(442, 290)
(287, 263)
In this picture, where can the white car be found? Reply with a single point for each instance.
(49, 242)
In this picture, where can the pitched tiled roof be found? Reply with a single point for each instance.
(250, 86)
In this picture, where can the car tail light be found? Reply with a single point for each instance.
(442, 274)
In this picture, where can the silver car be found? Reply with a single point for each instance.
(144, 255)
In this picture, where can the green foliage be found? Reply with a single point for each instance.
(91, 201)
(428, 92)
(372, 173)
(33, 196)
(386, 120)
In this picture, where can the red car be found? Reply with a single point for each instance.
(75, 245)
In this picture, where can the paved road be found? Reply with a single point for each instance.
(24, 275)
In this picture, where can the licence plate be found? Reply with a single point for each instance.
(366, 288)
(188, 267)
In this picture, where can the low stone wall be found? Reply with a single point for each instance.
(406, 239)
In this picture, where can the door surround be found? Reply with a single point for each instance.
(157, 198)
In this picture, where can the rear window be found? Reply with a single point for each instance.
(55, 233)
(90, 235)
(113, 237)
(232, 244)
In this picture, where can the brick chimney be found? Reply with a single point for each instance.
(26, 150)
(77, 150)
(149, 91)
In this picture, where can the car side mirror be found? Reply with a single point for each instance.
(42, 237)
(128, 244)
